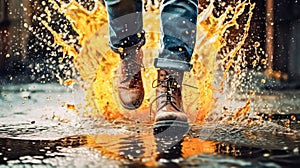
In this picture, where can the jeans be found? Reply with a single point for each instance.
(178, 30)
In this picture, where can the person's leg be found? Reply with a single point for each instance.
(126, 38)
(178, 38)
(178, 34)
(125, 23)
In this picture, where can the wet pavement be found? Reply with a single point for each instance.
(39, 129)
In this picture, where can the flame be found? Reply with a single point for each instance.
(97, 64)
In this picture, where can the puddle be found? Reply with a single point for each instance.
(31, 135)
(224, 149)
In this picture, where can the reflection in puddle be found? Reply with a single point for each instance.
(145, 149)
(33, 150)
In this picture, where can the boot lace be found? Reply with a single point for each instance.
(171, 86)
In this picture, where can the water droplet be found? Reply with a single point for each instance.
(264, 61)
(256, 44)
(121, 50)
(293, 118)
(296, 150)
(254, 63)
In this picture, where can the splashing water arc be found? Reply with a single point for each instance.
(97, 64)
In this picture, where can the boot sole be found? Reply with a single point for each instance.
(130, 107)
(172, 127)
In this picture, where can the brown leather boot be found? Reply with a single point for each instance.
(169, 100)
(130, 84)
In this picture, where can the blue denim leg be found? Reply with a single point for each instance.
(178, 34)
(125, 24)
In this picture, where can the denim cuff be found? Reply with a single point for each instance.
(123, 49)
(164, 63)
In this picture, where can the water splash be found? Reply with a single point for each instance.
(97, 64)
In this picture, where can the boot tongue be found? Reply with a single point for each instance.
(177, 75)
(169, 91)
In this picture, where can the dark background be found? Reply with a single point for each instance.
(25, 55)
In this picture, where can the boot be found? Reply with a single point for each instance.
(169, 99)
(130, 84)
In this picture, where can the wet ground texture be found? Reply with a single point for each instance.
(39, 129)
